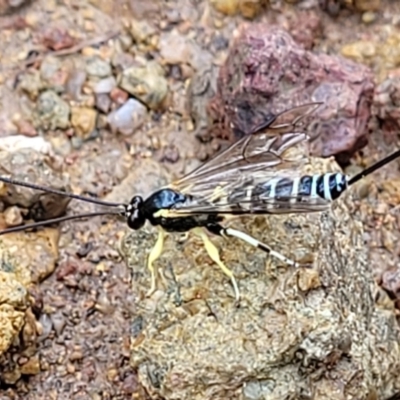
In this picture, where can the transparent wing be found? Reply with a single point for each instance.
(262, 149)
(281, 205)
(253, 196)
(254, 158)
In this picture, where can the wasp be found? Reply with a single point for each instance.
(254, 176)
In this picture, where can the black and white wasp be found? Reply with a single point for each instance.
(255, 175)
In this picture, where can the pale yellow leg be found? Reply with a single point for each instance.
(214, 254)
(154, 254)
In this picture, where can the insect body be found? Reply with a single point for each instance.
(255, 175)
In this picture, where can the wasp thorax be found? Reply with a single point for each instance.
(135, 214)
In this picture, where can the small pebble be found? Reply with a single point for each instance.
(58, 322)
(95, 66)
(76, 355)
(51, 112)
(105, 85)
(83, 120)
(368, 17)
(118, 96)
(227, 7)
(31, 367)
(19, 142)
(128, 117)
(12, 216)
(103, 103)
(147, 83)
(75, 83)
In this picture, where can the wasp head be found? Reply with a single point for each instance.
(134, 213)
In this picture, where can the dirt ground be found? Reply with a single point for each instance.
(86, 309)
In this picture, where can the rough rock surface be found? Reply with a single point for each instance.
(267, 72)
(387, 105)
(13, 303)
(30, 166)
(26, 258)
(18, 325)
(307, 333)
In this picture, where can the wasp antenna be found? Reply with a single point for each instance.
(59, 192)
(374, 167)
(56, 220)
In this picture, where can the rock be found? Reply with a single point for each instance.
(28, 165)
(369, 17)
(75, 83)
(13, 299)
(11, 377)
(179, 49)
(40, 253)
(266, 72)
(57, 39)
(227, 7)
(13, 216)
(105, 85)
(51, 111)
(202, 88)
(83, 120)
(367, 5)
(31, 83)
(333, 6)
(251, 8)
(383, 54)
(359, 50)
(18, 326)
(141, 31)
(296, 334)
(13, 303)
(127, 118)
(53, 74)
(103, 103)
(119, 96)
(31, 367)
(147, 83)
(125, 41)
(123, 60)
(25, 127)
(387, 105)
(247, 8)
(20, 142)
(96, 66)
(306, 28)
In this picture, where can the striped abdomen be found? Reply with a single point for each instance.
(291, 191)
(326, 186)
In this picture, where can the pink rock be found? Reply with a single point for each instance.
(267, 72)
(387, 105)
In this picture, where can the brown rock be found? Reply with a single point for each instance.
(57, 39)
(266, 72)
(386, 105)
(38, 259)
(83, 120)
(333, 6)
(297, 332)
(13, 301)
(29, 165)
(31, 367)
(118, 96)
(147, 83)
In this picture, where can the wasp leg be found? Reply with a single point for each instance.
(229, 232)
(154, 254)
(214, 255)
